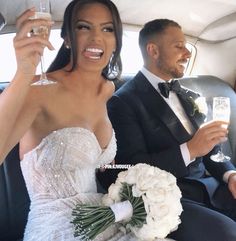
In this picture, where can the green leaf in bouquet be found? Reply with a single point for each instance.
(89, 221)
(139, 213)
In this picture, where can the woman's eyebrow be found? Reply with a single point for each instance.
(88, 22)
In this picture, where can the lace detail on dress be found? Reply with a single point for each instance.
(64, 163)
(59, 173)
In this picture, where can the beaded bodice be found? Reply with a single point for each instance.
(64, 163)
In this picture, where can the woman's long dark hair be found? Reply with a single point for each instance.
(64, 56)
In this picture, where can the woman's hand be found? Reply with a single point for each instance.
(29, 47)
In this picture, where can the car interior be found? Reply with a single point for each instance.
(210, 30)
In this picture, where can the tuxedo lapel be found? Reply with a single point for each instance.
(157, 107)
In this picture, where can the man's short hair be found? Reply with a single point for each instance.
(153, 28)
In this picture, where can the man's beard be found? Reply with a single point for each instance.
(170, 71)
(176, 74)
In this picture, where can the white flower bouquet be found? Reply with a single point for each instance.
(144, 199)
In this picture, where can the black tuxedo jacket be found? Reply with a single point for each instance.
(148, 131)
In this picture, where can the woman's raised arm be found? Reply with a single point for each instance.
(28, 49)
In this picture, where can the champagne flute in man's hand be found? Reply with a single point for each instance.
(42, 11)
(221, 111)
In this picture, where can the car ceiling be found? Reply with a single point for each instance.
(212, 20)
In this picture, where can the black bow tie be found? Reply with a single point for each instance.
(166, 87)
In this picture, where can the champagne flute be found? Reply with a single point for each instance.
(42, 8)
(221, 111)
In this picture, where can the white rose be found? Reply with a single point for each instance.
(162, 229)
(114, 191)
(165, 180)
(146, 177)
(154, 212)
(143, 168)
(122, 177)
(146, 233)
(175, 209)
(131, 176)
(174, 222)
(145, 181)
(202, 105)
(169, 197)
(156, 194)
(136, 191)
(147, 204)
(171, 179)
(161, 211)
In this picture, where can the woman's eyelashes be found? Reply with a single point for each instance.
(82, 26)
(109, 29)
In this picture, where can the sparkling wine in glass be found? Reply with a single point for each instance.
(221, 111)
(42, 11)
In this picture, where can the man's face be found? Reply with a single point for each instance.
(173, 54)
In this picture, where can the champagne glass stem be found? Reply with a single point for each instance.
(220, 153)
(43, 72)
(42, 11)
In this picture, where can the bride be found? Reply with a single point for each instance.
(63, 128)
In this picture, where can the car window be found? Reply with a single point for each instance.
(7, 59)
(130, 54)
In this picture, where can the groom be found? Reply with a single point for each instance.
(156, 122)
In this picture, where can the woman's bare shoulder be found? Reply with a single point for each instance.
(41, 95)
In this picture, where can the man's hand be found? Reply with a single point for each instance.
(232, 184)
(206, 137)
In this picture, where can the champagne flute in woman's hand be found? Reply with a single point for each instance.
(42, 11)
(221, 111)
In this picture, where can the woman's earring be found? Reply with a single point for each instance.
(67, 46)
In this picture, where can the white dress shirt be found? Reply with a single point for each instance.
(175, 105)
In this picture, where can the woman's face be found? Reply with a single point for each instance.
(95, 36)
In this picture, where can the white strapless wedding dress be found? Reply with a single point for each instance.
(60, 173)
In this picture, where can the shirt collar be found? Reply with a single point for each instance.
(152, 78)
